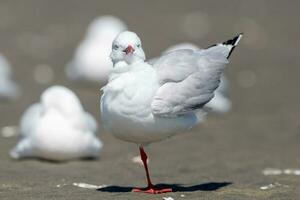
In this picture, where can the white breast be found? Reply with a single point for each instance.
(126, 108)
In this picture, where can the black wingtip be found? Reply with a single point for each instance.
(234, 41)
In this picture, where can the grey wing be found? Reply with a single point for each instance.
(188, 78)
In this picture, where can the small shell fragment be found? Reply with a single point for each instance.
(89, 186)
(168, 198)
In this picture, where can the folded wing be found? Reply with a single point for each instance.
(188, 78)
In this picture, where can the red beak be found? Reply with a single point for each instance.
(129, 49)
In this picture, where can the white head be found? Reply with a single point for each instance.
(127, 47)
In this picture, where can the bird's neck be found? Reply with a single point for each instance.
(125, 65)
(133, 59)
(118, 69)
(122, 67)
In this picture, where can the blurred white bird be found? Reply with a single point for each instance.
(144, 103)
(220, 103)
(57, 128)
(179, 46)
(91, 61)
(8, 88)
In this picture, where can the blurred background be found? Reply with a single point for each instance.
(261, 131)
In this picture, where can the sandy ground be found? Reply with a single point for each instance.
(223, 158)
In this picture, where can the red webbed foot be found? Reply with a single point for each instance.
(152, 190)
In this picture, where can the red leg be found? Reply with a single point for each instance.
(151, 189)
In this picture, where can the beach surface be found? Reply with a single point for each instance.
(252, 152)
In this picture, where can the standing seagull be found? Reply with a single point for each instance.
(145, 103)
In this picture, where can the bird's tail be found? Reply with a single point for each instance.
(232, 43)
(227, 47)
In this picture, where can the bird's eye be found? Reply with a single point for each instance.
(115, 47)
(138, 45)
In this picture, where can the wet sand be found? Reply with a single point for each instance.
(223, 158)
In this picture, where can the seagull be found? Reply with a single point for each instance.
(9, 90)
(144, 103)
(57, 128)
(220, 103)
(91, 60)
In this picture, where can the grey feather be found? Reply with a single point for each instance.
(188, 79)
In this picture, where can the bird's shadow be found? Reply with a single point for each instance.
(175, 187)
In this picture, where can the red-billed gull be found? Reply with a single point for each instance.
(144, 103)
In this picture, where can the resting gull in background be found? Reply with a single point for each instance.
(57, 128)
(8, 88)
